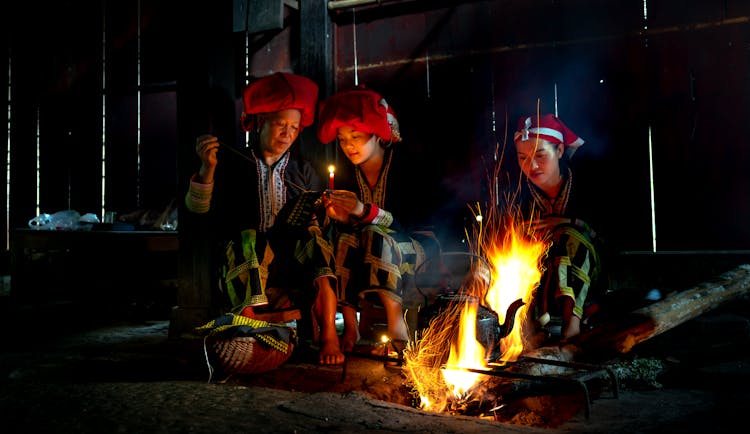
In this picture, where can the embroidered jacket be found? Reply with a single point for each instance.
(401, 200)
(570, 203)
(236, 202)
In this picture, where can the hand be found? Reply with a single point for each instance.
(206, 147)
(342, 204)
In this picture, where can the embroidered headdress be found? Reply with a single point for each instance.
(547, 127)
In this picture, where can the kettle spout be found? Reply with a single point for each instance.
(510, 318)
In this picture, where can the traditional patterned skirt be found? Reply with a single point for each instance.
(572, 268)
(258, 269)
(375, 260)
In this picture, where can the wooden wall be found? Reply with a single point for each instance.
(75, 89)
(676, 82)
(458, 74)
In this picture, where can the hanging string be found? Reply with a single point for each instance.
(496, 157)
(252, 160)
(492, 98)
(556, 99)
(354, 37)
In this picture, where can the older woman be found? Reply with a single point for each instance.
(261, 257)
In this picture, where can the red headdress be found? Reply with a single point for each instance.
(549, 128)
(360, 109)
(280, 91)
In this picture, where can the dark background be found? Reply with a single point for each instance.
(662, 101)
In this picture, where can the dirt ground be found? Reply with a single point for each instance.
(62, 373)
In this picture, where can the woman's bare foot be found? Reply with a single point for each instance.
(397, 329)
(330, 353)
(350, 336)
(324, 312)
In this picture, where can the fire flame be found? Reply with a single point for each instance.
(466, 352)
(516, 271)
(512, 271)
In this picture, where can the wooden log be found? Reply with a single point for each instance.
(622, 334)
(619, 335)
(614, 337)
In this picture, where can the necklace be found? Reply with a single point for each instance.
(556, 205)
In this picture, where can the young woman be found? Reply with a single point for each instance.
(556, 210)
(381, 212)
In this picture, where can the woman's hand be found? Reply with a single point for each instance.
(342, 204)
(206, 147)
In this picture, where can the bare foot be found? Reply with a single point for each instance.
(350, 336)
(330, 353)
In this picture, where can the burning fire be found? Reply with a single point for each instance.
(445, 364)
(516, 270)
(467, 352)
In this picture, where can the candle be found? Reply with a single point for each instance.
(331, 169)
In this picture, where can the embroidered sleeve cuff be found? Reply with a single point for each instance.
(198, 197)
(374, 215)
(379, 216)
(366, 215)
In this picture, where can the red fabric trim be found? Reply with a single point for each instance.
(372, 214)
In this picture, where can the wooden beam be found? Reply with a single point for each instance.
(316, 46)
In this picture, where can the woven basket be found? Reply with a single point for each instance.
(245, 355)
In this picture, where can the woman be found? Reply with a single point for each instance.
(244, 195)
(555, 210)
(381, 214)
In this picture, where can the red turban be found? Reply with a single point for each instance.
(280, 91)
(549, 128)
(359, 109)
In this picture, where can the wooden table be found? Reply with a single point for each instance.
(59, 264)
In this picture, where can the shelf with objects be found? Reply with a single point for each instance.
(131, 269)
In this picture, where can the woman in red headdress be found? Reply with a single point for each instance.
(265, 261)
(382, 213)
(552, 203)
